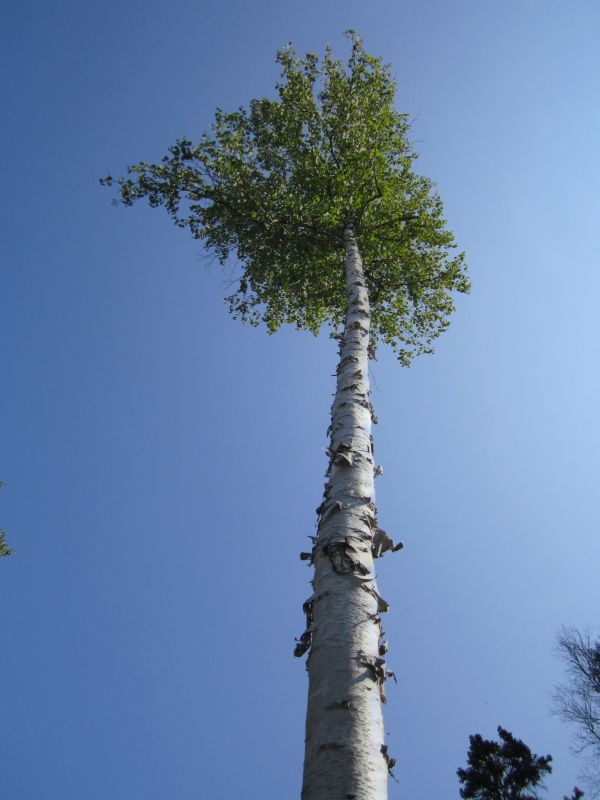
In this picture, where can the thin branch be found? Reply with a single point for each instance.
(387, 222)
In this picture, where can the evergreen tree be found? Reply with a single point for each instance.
(314, 194)
(4, 548)
(504, 770)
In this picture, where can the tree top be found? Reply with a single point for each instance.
(272, 188)
(504, 770)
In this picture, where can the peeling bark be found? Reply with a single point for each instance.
(346, 756)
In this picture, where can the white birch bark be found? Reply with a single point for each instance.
(346, 757)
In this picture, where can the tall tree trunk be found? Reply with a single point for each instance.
(346, 757)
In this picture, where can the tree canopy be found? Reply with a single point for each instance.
(505, 770)
(4, 548)
(275, 186)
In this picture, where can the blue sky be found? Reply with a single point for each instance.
(163, 463)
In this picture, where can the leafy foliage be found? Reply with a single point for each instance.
(505, 770)
(276, 185)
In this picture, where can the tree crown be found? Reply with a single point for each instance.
(275, 185)
(578, 700)
(4, 548)
(505, 770)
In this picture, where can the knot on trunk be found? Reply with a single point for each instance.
(343, 705)
(344, 558)
(350, 387)
(357, 326)
(345, 361)
(342, 455)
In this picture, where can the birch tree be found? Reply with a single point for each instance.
(313, 196)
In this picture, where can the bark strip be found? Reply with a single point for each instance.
(345, 755)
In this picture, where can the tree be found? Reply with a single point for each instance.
(578, 701)
(505, 770)
(4, 548)
(314, 195)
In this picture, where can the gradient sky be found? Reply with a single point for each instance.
(163, 463)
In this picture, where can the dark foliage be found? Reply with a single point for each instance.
(4, 548)
(504, 770)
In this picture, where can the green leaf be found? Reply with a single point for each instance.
(272, 188)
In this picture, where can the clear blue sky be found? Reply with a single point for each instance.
(163, 463)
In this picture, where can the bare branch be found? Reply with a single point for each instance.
(578, 700)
